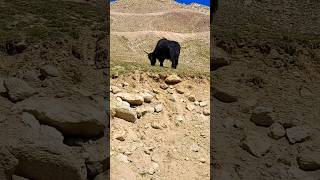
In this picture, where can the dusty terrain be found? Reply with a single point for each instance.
(53, 86)
(266, 85)
(159, 129)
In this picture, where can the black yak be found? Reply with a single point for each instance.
(165, 49)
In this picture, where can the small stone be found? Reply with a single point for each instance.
(170, 91)
(122, 158)
(256, 144)
(195, 148)
(18, 90)
(156, 91)
(223, 96)
(156, 125)
(49, 70)
(115, 89)
(196, 103)
(120, 135)
(192, 98)
(180, 90)
(179, 118)
(203, 104)
(133, 99)
(141, 111)
(309, 160)
(206, 112)
(147, 97)
(172, 98)
(30, 121)
(190, 106)
(173, 79)
(158, 108)
(298, 134)
(126, 114)
(202, 160)
(262, 116)
(164, 86)
(277, 131)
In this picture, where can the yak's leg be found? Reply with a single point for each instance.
(161, 62)
(174, 59)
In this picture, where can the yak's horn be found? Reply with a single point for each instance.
(146, 52)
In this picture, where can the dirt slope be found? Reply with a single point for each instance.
(268, 65)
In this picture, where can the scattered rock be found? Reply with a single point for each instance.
(164, 86)
(49, 161)
(256, 144)
(180, 90)
(223, 96)
(219, 58)
(122, 158)
(155, 125)
(133, 99)
(115, 89)
(309, 160)
(190, 106)
(50, 133)
(173, 79)
(147, 97)
(192, 98)
(206, 112)
(262, 116)
(194, 147)
(30, 121)
(81, 119)
(203, 103)
(277, 131)
(158, 108)
(120, 135)
(172, 98)
(298, 134)
(49, 71)
(141, 111)
(126, 114)
(18, 89)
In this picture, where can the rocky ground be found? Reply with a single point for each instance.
(265, 115)
(54, 122)
(159, 127)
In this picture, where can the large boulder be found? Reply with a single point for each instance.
(133, 99)
(18, 89)
(81, 119)
(48, 161)
(173, 79)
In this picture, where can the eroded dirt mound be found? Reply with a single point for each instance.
(159, 127)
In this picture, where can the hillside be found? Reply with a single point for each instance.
(53, 95)
(160, 122)
(134, 29)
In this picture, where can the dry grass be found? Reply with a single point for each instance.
(133, 32)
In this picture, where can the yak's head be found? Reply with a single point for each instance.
(152, 58)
